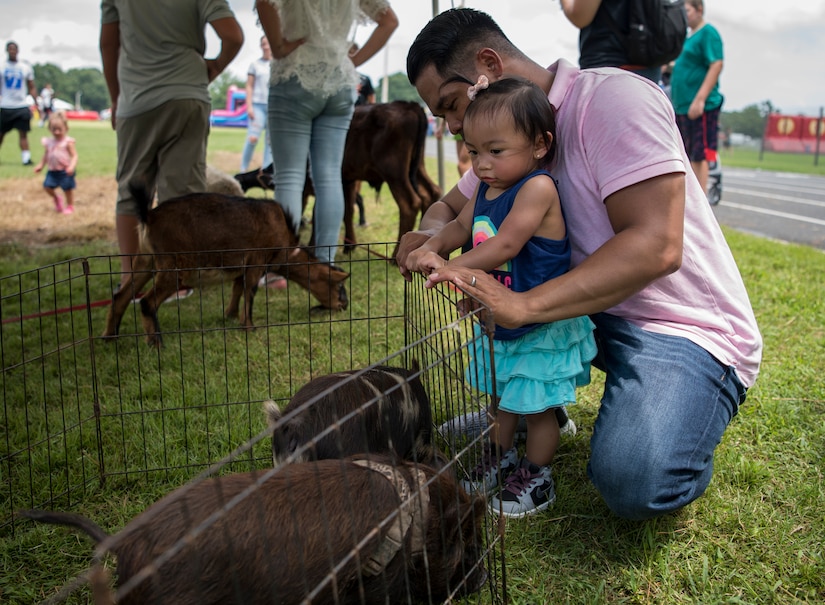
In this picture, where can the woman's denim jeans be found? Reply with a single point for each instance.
(254, 130)
(666, 404)
(304, 124)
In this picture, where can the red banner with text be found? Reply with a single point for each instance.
(795, 134)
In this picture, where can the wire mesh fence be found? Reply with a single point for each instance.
(171, 444)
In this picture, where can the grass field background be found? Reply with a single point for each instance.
(757, 535)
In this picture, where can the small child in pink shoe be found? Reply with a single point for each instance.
(61, 160)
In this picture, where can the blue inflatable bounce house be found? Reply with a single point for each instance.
(235, 112)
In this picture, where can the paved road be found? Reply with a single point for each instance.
(780, 205)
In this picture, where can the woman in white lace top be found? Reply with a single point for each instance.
(312, 89)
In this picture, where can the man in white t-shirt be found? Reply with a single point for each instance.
(46, 103)
(678, 339)
(15, 113)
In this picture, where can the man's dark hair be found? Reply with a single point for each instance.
(451, 38)
(527, 104)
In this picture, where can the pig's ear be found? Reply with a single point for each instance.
(272, 412)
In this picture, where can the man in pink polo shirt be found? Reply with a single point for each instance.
(677, 336)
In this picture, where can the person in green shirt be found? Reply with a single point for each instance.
(695, 92)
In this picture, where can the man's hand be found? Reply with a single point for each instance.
(506, 306)
(410, 241)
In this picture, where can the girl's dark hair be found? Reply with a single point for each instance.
(450, 39)
(532, 114)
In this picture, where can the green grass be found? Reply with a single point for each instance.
(740, 157)
(757, 535)
(97, 148)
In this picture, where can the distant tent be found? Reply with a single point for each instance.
(61, 105)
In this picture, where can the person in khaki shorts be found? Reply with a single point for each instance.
(158, 78)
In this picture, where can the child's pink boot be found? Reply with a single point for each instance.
(58, 202)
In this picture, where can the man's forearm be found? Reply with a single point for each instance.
(436, 217)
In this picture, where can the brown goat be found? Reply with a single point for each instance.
(312, 532)
(239, 236)
(377, 410)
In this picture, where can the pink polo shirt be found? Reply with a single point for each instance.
(616, 129)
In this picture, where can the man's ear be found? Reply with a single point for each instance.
(489, 63)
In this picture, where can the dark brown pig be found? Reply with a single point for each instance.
(340, 531)
(377, 410)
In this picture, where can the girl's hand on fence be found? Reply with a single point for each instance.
(409, 243)
(424, 261)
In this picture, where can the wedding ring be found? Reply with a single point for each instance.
(473, 282)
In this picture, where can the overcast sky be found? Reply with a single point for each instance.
(773, 50)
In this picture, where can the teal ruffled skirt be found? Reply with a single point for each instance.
(537, 371)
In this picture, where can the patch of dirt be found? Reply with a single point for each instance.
(28, 216)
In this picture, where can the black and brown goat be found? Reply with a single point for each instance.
(298, 534)
(380, 410)
(240, 237)
(386, 143)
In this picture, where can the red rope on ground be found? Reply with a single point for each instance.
(98, 303)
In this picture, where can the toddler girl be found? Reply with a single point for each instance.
(61, 160)
(517, 231)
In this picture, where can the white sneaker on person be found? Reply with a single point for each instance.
(529, 489)
(272, 280)
(484, 477)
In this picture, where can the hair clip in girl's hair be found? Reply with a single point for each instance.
(482, 83)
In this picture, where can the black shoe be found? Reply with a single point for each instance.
(28, 163)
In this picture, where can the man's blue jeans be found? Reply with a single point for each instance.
(666, 404)
(304, 124)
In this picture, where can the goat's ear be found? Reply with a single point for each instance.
(337, 275)
(295, 252)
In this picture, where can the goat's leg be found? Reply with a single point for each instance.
(237, 290)
(166, 284)
(427, 190)
(409, 203)
(250, 286)
(135, 281)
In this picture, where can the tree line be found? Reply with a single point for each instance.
(94, 95)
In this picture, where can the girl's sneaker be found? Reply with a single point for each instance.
(58, 202)
(68, 210)
(527, 490)
(484, 477)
